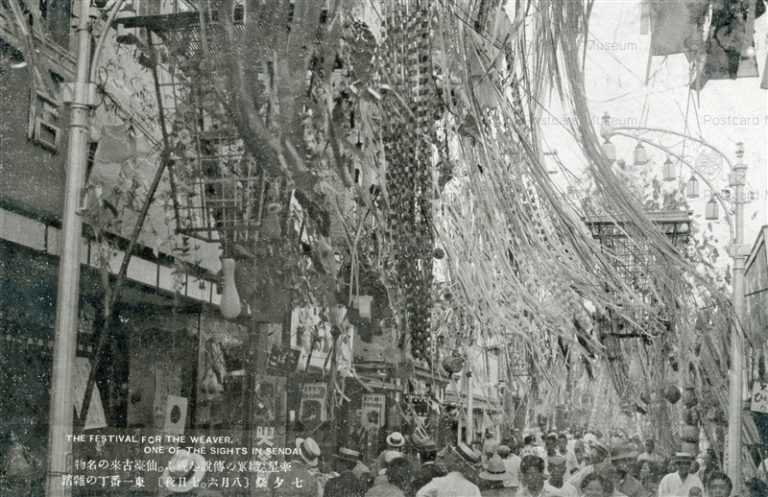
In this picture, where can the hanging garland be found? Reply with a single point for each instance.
(408, 104)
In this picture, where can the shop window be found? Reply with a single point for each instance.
(44, 122)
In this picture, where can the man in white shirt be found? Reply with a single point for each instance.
(650, 454)
(532, 477)
(679, 483)
(598, 460)
(459, 460)
(512, 463)
(556, 486)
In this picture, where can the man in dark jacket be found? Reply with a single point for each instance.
(347, 484)
(429, 467)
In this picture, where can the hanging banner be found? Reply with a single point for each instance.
(268, 411)
(372, 413)
(312, 409)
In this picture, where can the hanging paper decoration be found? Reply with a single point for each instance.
(730, 45)
(407, 61)
(676, 26)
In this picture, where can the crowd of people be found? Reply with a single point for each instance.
(559, 465)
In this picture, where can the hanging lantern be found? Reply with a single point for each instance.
(669, 171)
(711, 211)
(640, 156)
(692, 188)
(609, 149)
(672, 394)
(230, 300)
(453, 363)
(605, 126)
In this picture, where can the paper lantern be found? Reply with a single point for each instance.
(692, 188)
(640, 156)
(672, 394)
(609, 149)
(364, 306)
(669, 171)
(711, 211)
(690, 434)
(230, 300)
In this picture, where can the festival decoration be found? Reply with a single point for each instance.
(230, 299)
(407, 65)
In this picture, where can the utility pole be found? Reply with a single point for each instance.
(68, 291)
(736, 387)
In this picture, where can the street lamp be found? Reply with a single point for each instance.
(60, 416)
(738, 251)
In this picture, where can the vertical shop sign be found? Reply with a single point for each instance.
(372, 413)
(312, 410)
(268, 410)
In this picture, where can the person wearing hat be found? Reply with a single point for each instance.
(512, 463)
(598, 460)
(718, 485)
(550, 444)
(556, 485)
(458, 461)
(429, 467)
(493, 478)
(394, 443)
(682, 480)
(562, 445)
(650, 454)
(183, 473)
(397, 480)
(301, 479)
(577, 458)
(623, 457)
(386, 458)
(532, 477)
(346, 484)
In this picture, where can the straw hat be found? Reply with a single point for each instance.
(467, 453)
(623, 453)
(183, 472)
(388, 456)
(395, 439)
(346, 454)
(309, 451)
(682, 456)
(495, 470)
(598, 446)
(503, 450)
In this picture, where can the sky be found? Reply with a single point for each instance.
(724, 113)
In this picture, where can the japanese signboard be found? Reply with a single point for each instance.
(313, 403)
(372, 413)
